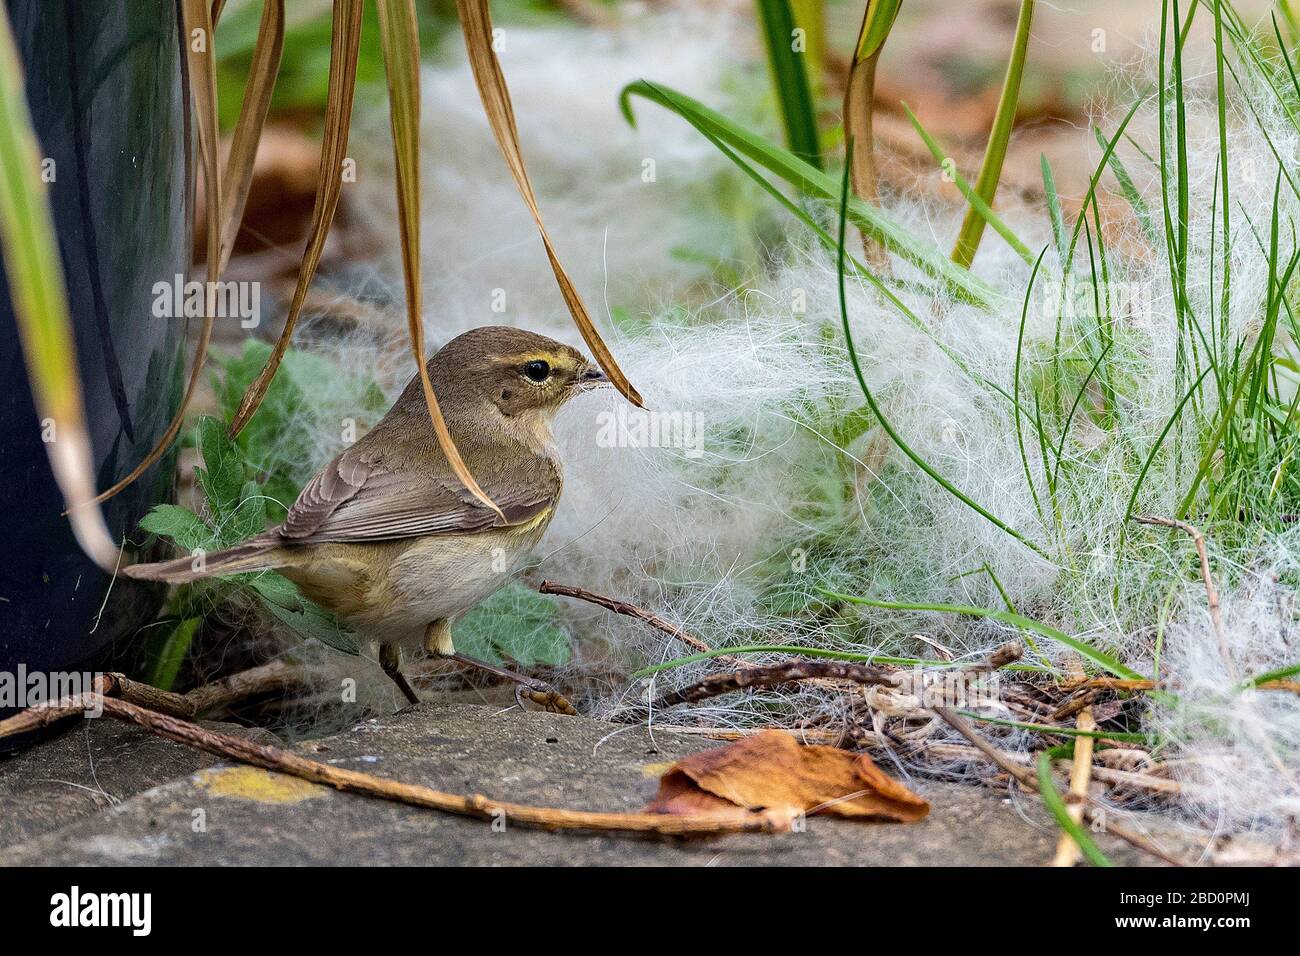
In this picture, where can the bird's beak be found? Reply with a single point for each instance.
(592, 377)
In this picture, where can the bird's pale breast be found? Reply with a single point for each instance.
(391, 591)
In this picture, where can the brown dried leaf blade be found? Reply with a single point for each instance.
(773, 770)
(345, 44)
(401, 45)
(476, 23)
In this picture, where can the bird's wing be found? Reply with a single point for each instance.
(360, 496)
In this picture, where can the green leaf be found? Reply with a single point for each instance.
(248, 517)
(283, 600)
(222, 476)
(310, 396)
(182, 525)
(167, 655)
(516, 623)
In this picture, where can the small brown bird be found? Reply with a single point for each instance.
(386, 537)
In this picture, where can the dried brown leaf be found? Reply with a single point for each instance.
(400, 40)
(772, 770)
(476, 23)
(238, 179)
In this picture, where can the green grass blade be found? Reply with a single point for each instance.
(1056, 806)
(813, 182)
(978, 205)
(1053, 208)
(875, 407)
(1083, 648)
(790, 78)
(40, 305)
(1130, 191)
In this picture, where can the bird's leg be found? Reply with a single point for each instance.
(390, 661)
(437, 641)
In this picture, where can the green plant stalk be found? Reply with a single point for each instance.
(40, 303)
(978, 205)
(986, 185)
(790, 79)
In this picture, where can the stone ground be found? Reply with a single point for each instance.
(106, 793)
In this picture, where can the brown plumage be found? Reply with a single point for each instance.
(385, 535)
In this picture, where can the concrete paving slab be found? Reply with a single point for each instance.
(234, 815)
(87, 767)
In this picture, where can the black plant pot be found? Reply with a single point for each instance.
(105, 82)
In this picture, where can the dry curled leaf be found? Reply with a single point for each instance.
(774, 771)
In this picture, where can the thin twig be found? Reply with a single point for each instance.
(274, 676)
(1211, 592)
(351, 781)
(773, 674)
(631, 610)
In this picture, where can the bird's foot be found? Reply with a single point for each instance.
(526, 688)
(390, 661)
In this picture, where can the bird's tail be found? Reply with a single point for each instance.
(257, 554)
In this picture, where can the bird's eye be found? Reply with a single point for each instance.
(537, 370)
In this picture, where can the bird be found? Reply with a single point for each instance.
(389, 540)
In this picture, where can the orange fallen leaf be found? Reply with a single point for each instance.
(772, 770)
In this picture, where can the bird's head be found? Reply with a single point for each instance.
(523, 376)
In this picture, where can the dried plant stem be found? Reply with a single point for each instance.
(1026, 779)
(344, 46)
(774, 674)
(350, 781)
(1067, 850)
(476, 24)
(1211, 592)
